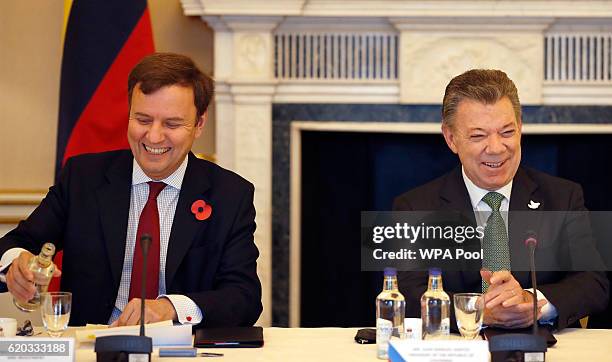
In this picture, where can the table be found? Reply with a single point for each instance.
(337, 344)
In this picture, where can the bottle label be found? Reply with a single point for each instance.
(445, 326)
(384, 328)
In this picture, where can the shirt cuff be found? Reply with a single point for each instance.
(187, 311)
(8, 257)
(549, 311)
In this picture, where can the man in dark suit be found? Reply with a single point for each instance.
(482, 125)
(200, 217)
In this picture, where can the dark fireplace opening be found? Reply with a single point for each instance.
(344, 173)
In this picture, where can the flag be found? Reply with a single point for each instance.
(103, 40)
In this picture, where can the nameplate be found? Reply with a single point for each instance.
(438, 350)
(37, 348)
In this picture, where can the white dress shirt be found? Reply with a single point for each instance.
(186, 309)
(482, 211)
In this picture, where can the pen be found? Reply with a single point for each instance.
(210, 354)
(186, 352)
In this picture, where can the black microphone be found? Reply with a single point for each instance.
(521, 346)
(531, 242)
(119, 348)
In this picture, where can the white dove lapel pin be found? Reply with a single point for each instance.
(533, 205)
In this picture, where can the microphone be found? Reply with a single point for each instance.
(531, 242)
(521, 346)
(125, 347)
(531, 239)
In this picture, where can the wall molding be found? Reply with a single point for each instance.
(17, 205)
(297, 127)
(21, 197)
(385, 8)
(434, 128)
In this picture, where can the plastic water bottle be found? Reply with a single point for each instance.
(390, 311)
(435, 308)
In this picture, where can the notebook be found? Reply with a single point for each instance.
(230, 337)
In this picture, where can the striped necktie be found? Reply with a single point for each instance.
(148, 224)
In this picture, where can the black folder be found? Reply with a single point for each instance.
(232, 337)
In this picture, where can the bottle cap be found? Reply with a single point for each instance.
(435, 271)
(390, 272)
(48, 249)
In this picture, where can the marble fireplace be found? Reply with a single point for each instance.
(285, 67)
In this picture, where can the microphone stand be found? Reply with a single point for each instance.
(145, 242)
(518, 347)
(534, 285)
(121, 347)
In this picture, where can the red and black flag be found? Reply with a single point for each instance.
(103, 40)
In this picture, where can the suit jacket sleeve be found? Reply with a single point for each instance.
(236, 296)
(579, 293)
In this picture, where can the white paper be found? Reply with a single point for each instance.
(162, 333)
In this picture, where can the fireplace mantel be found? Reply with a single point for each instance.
(419, 8)
(385, 52)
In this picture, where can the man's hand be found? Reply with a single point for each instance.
(156, 310)
(20, 280)
(503, 289)
(506, 303)
(516, 316)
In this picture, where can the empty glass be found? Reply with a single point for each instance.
(55, 309)
(469, 310)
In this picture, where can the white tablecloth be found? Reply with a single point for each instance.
(337, 344)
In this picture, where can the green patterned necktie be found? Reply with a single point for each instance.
(495, 241)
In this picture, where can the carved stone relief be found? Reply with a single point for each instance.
(429, 62)
(253, 56)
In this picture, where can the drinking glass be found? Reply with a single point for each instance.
(55, 309)
(469, 309)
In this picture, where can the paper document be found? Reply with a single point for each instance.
(162, 333)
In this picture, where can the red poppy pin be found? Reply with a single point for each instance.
(201, 210)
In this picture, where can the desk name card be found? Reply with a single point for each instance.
(434, 350)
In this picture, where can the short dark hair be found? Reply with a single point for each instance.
(482, 85)
(163, 69)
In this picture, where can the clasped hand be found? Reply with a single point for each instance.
(156, 310)
(507, 304)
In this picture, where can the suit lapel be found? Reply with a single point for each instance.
(454, 194)
(114, 205)
(185, 226)
(520, 221)
(523, 189)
